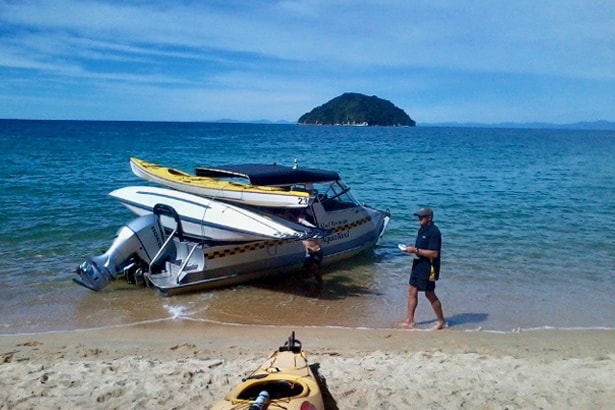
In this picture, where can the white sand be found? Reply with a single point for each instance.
(190, 365)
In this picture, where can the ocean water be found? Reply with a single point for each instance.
(527, 217)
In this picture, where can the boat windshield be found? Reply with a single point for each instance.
(334, 195)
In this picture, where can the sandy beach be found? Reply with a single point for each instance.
(190, 365)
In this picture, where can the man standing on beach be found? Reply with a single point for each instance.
(425, 267)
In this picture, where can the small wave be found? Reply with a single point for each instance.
(539, 329)
(176, 311)
(179, 315)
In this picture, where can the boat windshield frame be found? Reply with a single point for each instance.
(334, 195)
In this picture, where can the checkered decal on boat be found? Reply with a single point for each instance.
(266, 244)
(242, 249)
(352, 225)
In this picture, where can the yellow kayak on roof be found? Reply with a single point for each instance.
(219, 188)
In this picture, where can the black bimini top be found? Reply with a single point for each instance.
(269, 174)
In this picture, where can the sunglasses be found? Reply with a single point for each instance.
(421, 216)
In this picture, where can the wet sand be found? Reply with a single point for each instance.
(189, 364)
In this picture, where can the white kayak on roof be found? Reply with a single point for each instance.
(208, 219)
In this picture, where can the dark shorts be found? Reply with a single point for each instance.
(313, 258)
(423, 285)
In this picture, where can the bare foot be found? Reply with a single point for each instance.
(407, 325)
(439, 325)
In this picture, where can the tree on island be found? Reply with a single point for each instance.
(357, 109)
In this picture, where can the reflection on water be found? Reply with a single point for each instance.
(352, 296)
(347, 299)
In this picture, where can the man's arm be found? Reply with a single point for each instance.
(426, 253)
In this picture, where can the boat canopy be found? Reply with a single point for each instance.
(269, 174)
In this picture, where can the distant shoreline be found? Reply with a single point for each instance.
(582, 125)
(600, 125)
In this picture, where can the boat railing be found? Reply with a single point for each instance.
(181, 274)
(159, 210)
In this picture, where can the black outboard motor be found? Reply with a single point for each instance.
(142, 237)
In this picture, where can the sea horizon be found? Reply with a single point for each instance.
(596, 125)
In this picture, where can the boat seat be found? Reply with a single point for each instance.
(277, 389)
(173, 267)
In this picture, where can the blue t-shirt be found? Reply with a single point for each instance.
(428, 237)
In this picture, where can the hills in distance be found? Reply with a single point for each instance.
(357, 110)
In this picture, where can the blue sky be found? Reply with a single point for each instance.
(470, 61)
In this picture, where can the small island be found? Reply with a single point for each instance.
(356, 109)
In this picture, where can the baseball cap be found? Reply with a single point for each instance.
(424, 212)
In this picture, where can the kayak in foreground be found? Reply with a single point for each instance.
(284, 381)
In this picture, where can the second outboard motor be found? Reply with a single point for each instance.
(143, 237)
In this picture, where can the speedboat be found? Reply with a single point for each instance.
(164, 248)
